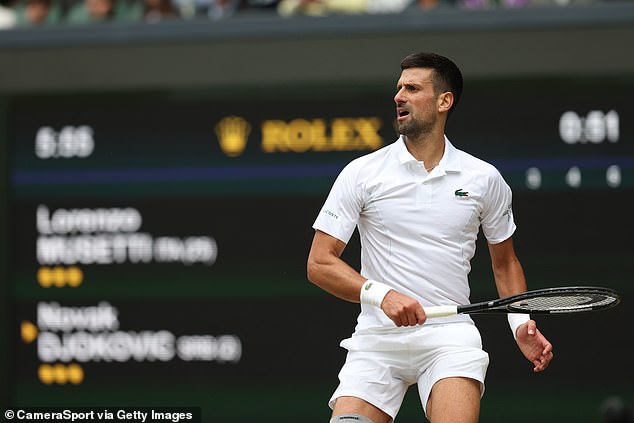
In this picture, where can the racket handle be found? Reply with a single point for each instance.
(441, 311)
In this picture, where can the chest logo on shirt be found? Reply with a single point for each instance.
(461, 193)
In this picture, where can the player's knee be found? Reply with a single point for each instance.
(350, 418)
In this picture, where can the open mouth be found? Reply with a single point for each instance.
(401, 113)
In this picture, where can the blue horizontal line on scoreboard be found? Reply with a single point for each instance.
(181, 174)
(184, 174)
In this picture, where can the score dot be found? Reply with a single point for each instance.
(45, 373)
(533, 178)
(74, 276)
(573, 177)
(59, 276)
(60, 374)
(613, 176)
(75, 374)
(45, 277)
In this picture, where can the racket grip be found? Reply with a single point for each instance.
(441, 311)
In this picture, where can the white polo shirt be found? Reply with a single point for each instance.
(418, 230)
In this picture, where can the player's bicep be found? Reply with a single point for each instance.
(325, 247)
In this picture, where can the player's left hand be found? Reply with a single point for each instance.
(534, 345)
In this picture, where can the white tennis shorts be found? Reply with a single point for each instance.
(379, 368)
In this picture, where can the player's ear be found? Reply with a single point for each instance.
(445, 101)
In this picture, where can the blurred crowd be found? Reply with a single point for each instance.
(24, 13)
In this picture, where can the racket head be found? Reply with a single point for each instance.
(571, 299)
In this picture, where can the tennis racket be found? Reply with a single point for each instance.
(572, 299)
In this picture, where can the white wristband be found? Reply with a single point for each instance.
(516, 320)
(373, 292)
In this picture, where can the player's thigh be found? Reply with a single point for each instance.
(354, 405)
(454, 400)
(377, 378)
(457, 353)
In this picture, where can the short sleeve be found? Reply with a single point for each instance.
(497, 215)
(340, 213)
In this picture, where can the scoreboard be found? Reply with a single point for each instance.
(158, 240)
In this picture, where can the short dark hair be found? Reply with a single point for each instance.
(446, 76)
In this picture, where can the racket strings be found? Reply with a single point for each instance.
(564, 302)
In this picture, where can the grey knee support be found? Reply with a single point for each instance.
(350, 418)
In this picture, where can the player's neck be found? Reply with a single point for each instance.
(428, 149)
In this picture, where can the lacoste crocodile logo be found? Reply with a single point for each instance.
(368, 286)
(461, 193)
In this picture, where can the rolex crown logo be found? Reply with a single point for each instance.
(233, 132)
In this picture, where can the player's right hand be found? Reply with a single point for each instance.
(403, 310)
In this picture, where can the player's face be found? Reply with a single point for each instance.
(416, 102)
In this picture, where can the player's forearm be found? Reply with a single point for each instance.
(507, 270)
(509, 277)
(333, 275)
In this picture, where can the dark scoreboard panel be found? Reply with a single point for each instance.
(158, 239)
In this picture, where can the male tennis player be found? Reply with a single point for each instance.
(418, 205)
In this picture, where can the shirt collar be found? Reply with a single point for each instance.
(449, 162)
